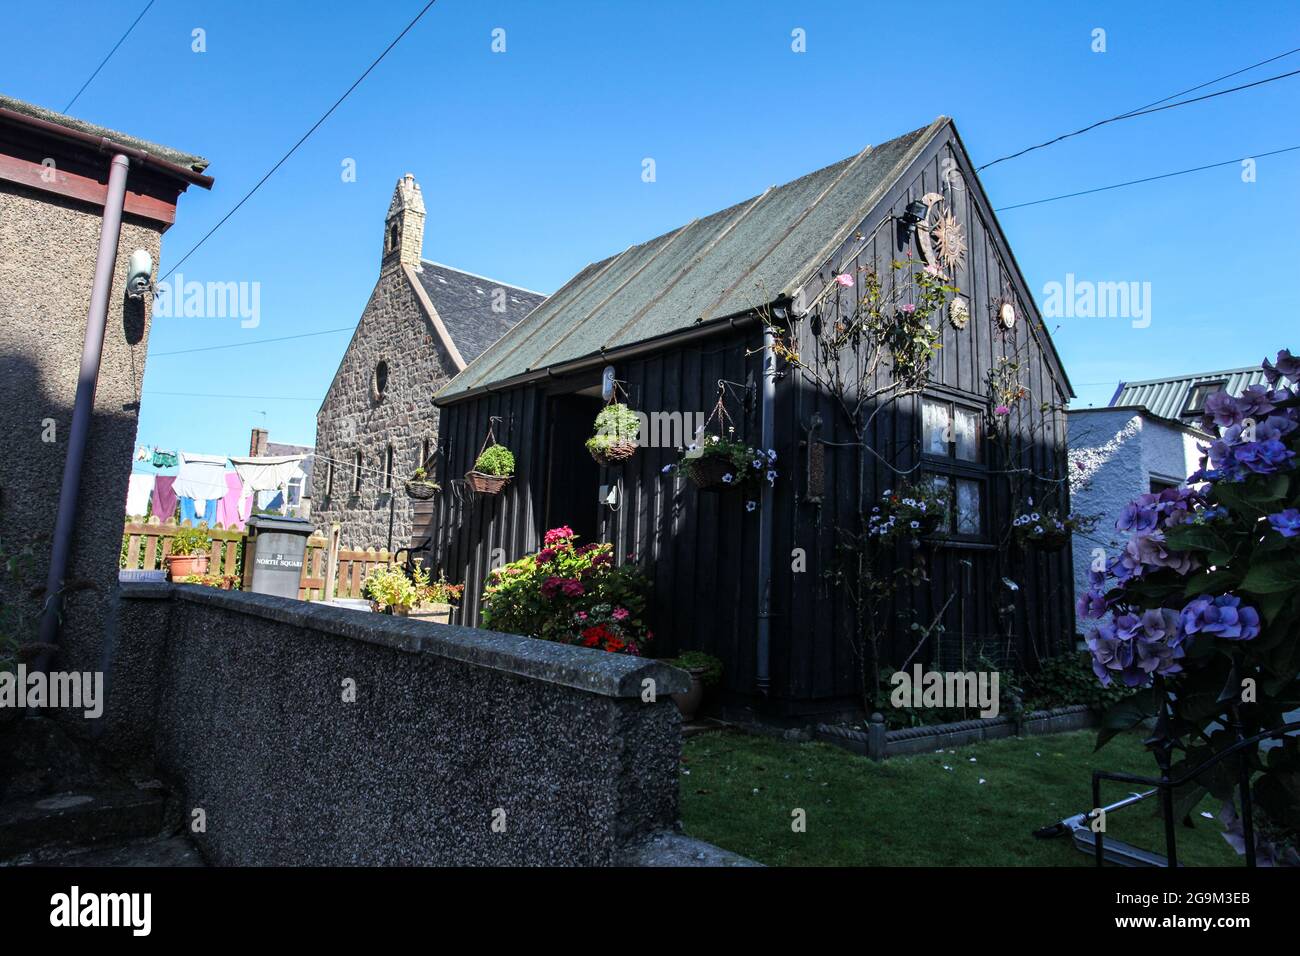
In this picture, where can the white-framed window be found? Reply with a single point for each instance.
(952, 456)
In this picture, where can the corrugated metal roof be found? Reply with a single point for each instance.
(1167, 397)
(725, 264)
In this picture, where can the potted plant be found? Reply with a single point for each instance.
(617, 430)
(719, 463)
(420, 486)
(189, 553)
(705, 671)
(389, 590)
(574, 594)
(434, 600)
(492, 470)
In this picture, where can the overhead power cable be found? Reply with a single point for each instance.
(302, 139)
(1133, 114)
(110, 55)
(1146, 179)
(240, 345)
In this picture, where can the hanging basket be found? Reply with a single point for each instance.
(707, 472)
(1051, 541)
(486, 484)
(421, 490)
(614, 454)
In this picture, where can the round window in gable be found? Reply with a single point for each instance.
(379, 382)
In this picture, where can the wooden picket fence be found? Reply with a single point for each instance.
(146, 542)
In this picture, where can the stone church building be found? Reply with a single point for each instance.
(423, 324)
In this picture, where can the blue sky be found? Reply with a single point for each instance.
(530, 160)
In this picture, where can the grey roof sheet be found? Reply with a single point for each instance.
(725, 264)
(1167, 397)
(188, 160)
(275, 449)
(465, 304)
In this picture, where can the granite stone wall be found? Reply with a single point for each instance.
(355, 417)
(48, 246)
(310, 734)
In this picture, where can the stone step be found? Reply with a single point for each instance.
(81, 818)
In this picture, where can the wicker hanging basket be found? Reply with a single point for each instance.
(486, 484)
(1050, 541)
(707, 473)
(421, 490)
(614, 454)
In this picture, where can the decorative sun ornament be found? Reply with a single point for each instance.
(940, 237)
(1007, 315)
(959, 313)
(950, 243)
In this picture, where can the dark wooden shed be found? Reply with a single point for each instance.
(679, 314)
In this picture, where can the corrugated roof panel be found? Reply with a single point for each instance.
(1167, 397)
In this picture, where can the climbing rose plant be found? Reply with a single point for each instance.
(571, 594)
(1201, 609)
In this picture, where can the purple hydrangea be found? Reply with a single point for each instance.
(1223, 616)
(1091, 605)
(1288, 366)
(1131, 649)
(1286, 522)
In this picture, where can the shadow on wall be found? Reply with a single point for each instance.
(35, 424)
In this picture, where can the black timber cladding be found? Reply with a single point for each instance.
(700, 549)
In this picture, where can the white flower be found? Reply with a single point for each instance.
(887, 493)
(916, 524)
(771, 454)
(1038, 529)
(1034, 517)
(757, 464)
(666, 469)
(771, 477)
(726, 479)
(751, 505)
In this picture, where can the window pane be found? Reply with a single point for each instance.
(942, 489)
(968, 507)
(966, 434)
(934, 419)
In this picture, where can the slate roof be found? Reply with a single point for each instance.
(726, 264)
(464, 302)
(1167, 397)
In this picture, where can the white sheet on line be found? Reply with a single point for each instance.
(268, 474)
(201, 477)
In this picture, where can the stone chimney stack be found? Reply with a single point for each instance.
(404, 226)
(257, 443)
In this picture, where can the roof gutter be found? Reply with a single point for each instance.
(105, 145)
(604, 357)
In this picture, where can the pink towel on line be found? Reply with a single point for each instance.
(164, 498)
(233, 510)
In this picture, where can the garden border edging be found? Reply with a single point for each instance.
(878, 743)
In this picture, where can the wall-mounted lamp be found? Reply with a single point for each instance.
(139, 273)
(915, 212)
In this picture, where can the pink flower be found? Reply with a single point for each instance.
(572, 588)
(545, 555)
(557, 535)
(934, 271)
(1002, 410)
(620, 613)
(908, 307)
(844, 279)
(582, 615)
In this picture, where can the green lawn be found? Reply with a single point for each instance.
(738, 791)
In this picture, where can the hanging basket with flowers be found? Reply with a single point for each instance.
(420, 487)
(722, 462)
(617, 431)
(494, 466)
(1046, 529)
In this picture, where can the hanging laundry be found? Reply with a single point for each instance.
(234, 508)
(142, 454)
(269, 474)
(164, 498)
(139, 489)
(164, 459)
(201, 477)
(196, 512)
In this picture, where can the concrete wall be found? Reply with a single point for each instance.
(1114, 455)
(394, 329)
(449, 727)
(47, 260)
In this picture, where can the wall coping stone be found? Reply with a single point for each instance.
(596, 672)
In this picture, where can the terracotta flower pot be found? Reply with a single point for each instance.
(486, 484)
(183, 565)
(689, 702)
(437, 613)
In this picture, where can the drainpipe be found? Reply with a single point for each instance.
(767, 428)
(84, 405)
